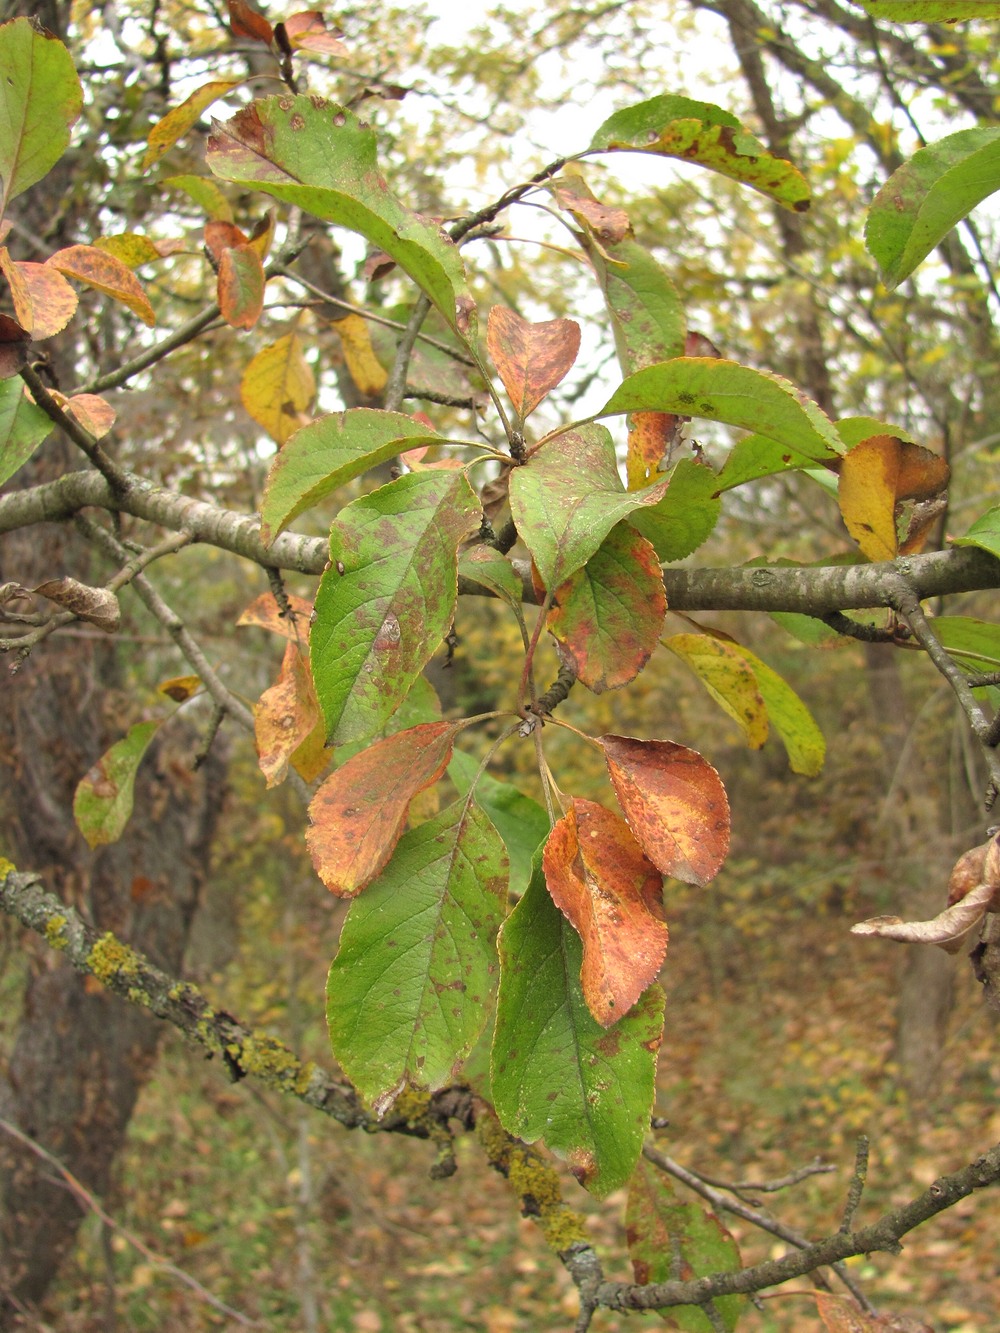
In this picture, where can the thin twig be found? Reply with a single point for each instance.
(70, 427)
(396, 386)
(86, 1200)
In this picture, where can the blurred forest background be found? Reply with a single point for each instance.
(786, 1037)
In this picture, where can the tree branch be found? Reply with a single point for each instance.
(813, 591)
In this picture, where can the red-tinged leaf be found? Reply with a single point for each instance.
(607, 616)
(307, 31)
(358, 813)
(221, 235)
(14, 342)
(44, 302)
(668, 1238)
(875, 476)
(651, 436)
(241, 287)
(675, 803)
(568, 497)
(531, 358)
(102, 805)
(92, 412)
(608, 225)
(97, 269)
(248, 22)
(96, 606)
(286, 716)
(612, 895)
(176, 123)
(265, 613)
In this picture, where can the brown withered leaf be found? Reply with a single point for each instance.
(612, 895)
(286, 716)
(265, 613)
(358, 813)
(609, 225)
(531, 358)
(675, 804)
(96, 606)
(307, 31)
(948, 929)
(842, 1315)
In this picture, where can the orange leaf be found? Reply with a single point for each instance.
(308, 32)
(286, 716)
(675, 803)
(612, 895)
(841, 1315)
(650, 436)
(220, 236)
(44, 302)
(875, 476)
(531, 358)
(609, 225)
(92, 412)
(247, 22)
(359, 811)
(105, 273)
(265, 613)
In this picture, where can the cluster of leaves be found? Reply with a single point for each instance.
(576, 1019)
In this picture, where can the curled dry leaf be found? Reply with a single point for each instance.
(97, 606)
(973, 890)
(948, 929)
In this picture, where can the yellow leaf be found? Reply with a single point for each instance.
(729, 679)
(278, 386)
(177, 122)
(867, 495)
(367, 372)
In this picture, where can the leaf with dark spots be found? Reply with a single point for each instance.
(568, 497)
(388, 598)
(358, 812)
(675, 804)
(407, 996)
(599, 878)
(321, 158)
(607, 617)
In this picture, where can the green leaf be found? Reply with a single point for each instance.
(520, 821)
(931, 11)
(493, 570)
(791, 719)
(647, 317)
(102, 805)
(668, 1238)
(388, 597)
(320, 157)
(807, 629)
(205, 193)
(720, 390)
(607, 616)
(756, 456)
(852, 430)
(326, 454)
(974, 644)
(408, 993)
(922, 200)
(23, 426)
(673, 126)
(685, 516)
(40, 98)
(568, 497)
(557, 1074)
(984, 533)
